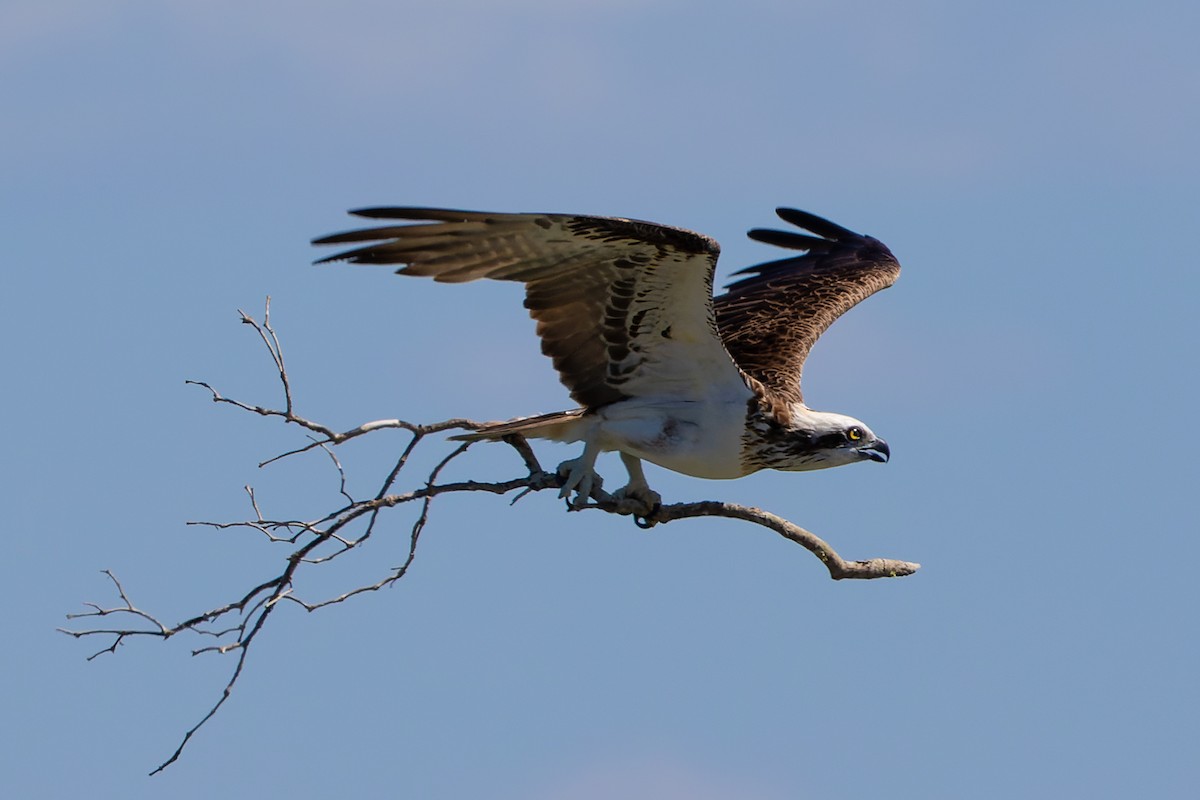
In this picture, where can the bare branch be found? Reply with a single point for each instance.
(235, 624)
(119, 634)
(839, 568)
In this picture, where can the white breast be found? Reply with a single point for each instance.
(703, 439)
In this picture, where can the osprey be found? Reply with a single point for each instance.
(662, 370)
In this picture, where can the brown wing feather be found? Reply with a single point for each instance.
(770, 320)
(611, 296)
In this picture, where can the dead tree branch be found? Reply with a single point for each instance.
(234, 625)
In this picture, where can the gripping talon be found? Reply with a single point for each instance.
(579, 477)
(648, 521)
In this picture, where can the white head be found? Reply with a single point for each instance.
(810, 439)
(837, 439)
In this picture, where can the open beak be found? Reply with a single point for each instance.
(878, 450)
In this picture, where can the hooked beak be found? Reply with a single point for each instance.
(877, 450)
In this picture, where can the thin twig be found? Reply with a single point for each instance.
(238, 622)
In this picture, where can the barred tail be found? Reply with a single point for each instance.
(559, 426)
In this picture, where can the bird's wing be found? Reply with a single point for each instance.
(770, 319)
(624, 308)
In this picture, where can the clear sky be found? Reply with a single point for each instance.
(1034, 166)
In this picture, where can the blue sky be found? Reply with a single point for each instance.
(1034, 168)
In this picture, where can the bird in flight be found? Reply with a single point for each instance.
(662, 370)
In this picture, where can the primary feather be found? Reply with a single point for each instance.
(662, 369)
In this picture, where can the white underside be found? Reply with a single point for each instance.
(702, 439)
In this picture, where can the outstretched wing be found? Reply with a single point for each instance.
(624, 308)
(770, 320)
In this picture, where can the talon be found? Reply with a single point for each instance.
(639, 500)
(579, 477)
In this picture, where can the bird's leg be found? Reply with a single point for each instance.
(638, 490)
(580, 475)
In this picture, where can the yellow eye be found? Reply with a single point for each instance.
(854, 434)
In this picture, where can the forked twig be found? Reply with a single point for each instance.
(235, 624)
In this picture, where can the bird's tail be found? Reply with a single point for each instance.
(559, 426)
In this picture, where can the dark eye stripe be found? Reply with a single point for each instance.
(830, 440)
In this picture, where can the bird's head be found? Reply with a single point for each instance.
(823, 439)
(808, 440)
